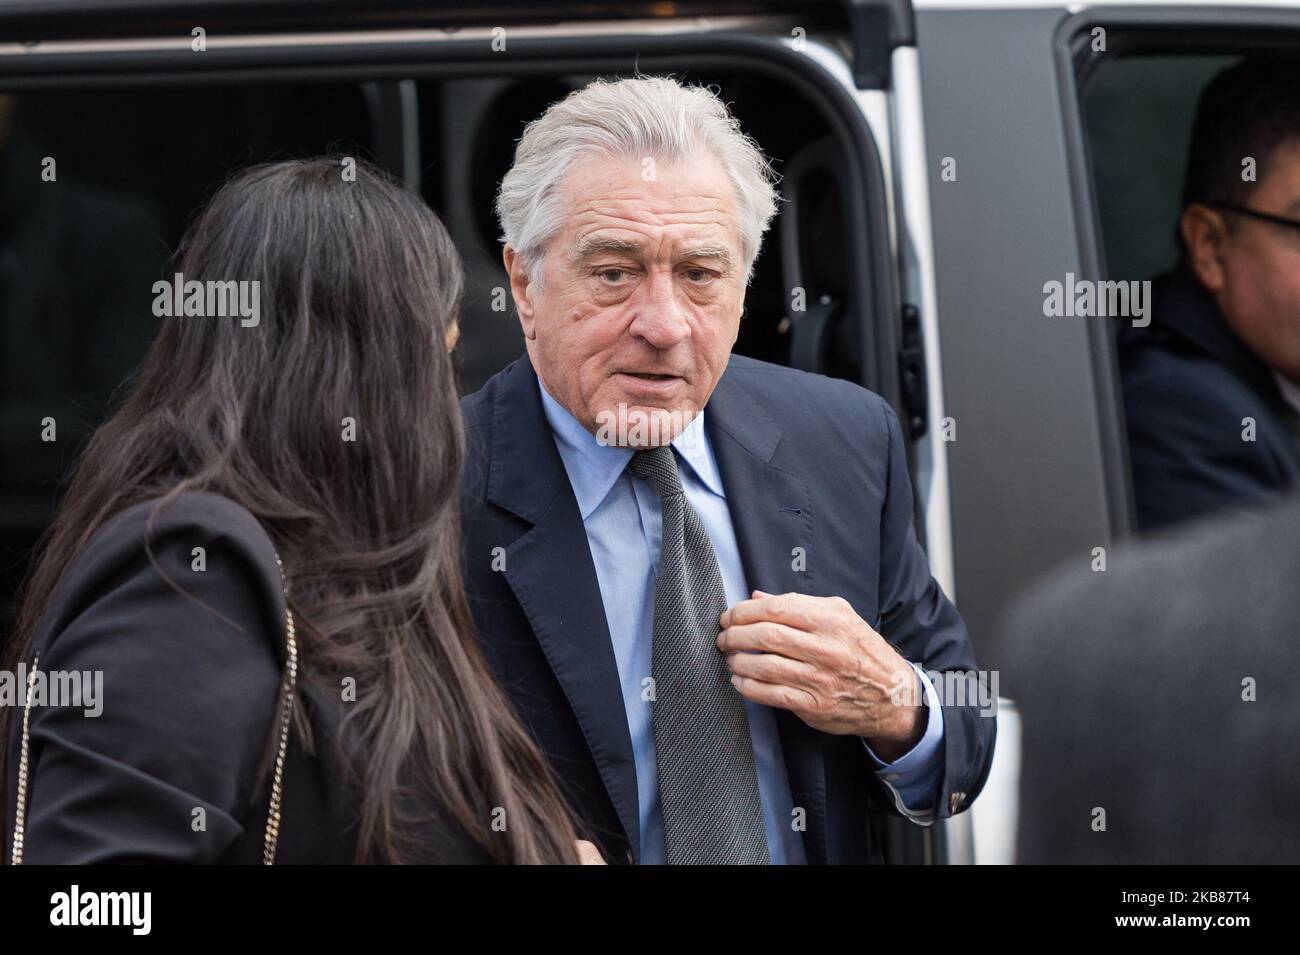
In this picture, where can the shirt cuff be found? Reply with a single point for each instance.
(913, 777)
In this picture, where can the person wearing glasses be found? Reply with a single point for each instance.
(1212, 385)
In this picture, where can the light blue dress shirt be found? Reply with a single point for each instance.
(623, 521)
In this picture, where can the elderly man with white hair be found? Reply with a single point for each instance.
(695, 574)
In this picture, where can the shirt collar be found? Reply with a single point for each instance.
(594, 468)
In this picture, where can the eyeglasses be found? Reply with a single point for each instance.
(1256, 214)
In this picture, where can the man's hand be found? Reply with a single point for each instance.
(817, 658)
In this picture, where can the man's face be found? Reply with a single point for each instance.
(642, 292)
(1253, 270)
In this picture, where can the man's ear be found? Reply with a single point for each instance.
(1204, 233)
(521, 290)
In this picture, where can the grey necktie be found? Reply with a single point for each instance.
(708, 787)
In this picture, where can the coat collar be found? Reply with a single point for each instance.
(1187, 313)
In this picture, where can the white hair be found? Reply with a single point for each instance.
(645, 117)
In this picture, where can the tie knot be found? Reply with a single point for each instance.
(658, 468)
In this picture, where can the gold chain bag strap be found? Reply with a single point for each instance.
(288, 685)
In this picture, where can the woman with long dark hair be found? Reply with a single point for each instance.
(259, 553)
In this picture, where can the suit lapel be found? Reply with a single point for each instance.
(771, 511)
(550, 570)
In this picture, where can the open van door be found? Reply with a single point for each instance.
(436, 92)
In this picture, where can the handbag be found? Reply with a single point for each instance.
(288, 685)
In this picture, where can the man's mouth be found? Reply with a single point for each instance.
(650, 386)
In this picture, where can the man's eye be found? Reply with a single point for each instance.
(701, 276)
(612, 276)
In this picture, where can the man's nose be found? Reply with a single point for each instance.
(660, 318)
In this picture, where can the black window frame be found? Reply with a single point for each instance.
(1131, 32)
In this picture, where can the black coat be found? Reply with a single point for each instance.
(807, 462)
(190, 685)
(1188, 384)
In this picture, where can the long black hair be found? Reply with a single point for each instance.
(360, 287)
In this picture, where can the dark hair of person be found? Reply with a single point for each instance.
(360, 284)
(1246, 111)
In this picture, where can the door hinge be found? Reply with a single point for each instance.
(911, 374)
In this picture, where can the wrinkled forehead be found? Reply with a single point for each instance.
(622, 206)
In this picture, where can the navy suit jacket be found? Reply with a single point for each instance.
(807, 462)
(1188, 383)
